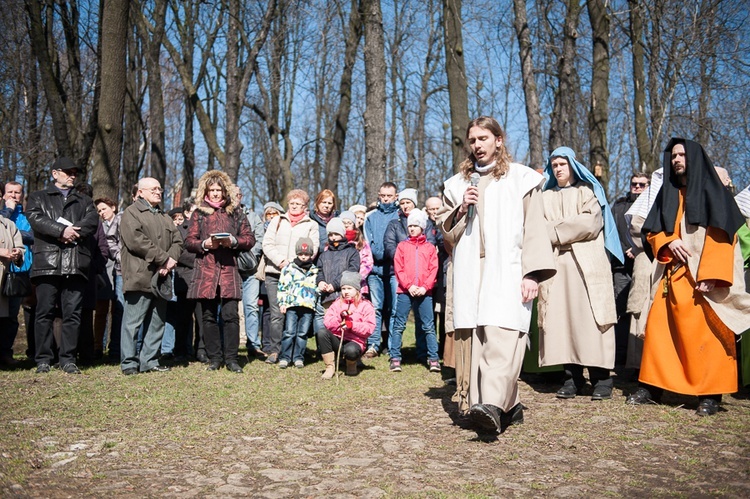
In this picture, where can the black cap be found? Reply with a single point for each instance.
(64, 163)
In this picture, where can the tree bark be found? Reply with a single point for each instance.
(455, 70)
(531, 96)
(563, 123)
(108, 146)
(642, 139)
(374, 115)
(599, 105)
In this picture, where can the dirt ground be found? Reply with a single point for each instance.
(376, 435)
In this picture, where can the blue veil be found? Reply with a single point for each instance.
(580, 172)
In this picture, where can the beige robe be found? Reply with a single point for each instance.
(577, 306)
(10, 237)
(496, 354)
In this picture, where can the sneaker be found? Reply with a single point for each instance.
(283, 364)
(272, 358)
(42, 368)
(71, 368)
(395, 365)
(371, 353)
(434, 366)
(299, 364)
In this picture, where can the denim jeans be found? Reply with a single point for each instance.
(422, 306)
(118, 308)
(167, 341)
(298, 320)
(143, 311)
(419, 330)
(319, 315)
(250, 294)
(276, 327)
(381, 298)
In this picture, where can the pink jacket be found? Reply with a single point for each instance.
(363, 320)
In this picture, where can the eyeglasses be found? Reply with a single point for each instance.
(638, 184)
(155, 190)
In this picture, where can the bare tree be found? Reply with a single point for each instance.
(599, 101)
(108, 145)
(456, 72)
(374, 116)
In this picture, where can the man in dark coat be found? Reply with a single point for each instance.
(151, 244)
(63, 220)
(622, 273)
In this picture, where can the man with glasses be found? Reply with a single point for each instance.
(62, 220)
(623, 272)
(151, 245)
(379, 279)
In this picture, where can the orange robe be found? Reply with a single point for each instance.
(687, 348)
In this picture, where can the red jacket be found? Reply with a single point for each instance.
(415, 264)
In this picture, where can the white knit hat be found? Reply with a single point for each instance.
(410, 194)
(417, 217)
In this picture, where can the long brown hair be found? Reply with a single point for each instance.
(502, 156)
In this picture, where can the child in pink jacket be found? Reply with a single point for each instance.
(350, 319)
(415, 265)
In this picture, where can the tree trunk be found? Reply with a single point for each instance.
(456, 73)
(563, 123)
(335, 149)
(642, 140)
(374, 115)
(599, 106)
(108, 146)
(531, 97)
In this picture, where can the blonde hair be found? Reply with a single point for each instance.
(298, 193)
(502, 156)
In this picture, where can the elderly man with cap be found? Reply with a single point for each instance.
(62, 220)
(151, 246)
(396, 232)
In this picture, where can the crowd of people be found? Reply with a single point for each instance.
(512, 267)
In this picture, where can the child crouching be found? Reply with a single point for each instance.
(350, 319)
(415, 265)
(297, 296)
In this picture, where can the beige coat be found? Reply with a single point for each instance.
(577, 306)
(10, 237)
(281, 238)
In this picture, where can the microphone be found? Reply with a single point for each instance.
(474, 179)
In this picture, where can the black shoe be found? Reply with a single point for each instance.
(130, 371)
(42, 368)
(602, 392)
(214, 366)
(158, 369)
(707, 407)
(71, 368)
(485, 416)
(234, 367)
(640, 397)
(514, 416)
(202, 357)
(568, 390)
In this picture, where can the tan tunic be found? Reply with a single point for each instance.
(577, 307)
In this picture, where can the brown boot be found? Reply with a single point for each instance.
(351, 367)
(328, 360)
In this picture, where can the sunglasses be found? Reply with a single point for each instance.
(638, 184)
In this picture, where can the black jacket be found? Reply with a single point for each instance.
(331, 265)
(51, 256)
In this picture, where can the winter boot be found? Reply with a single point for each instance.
(351, 367)
(328, 360)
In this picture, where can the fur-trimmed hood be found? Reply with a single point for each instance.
(211, 177)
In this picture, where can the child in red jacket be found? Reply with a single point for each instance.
(415, 264)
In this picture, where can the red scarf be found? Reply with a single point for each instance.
(351, 234)
(294, 219)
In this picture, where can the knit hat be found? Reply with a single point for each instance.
(348, 215)
(417, 217)
(358, 208)
(273, 205)
(161, 286)
(353, 279)
(336, 226)
(304, 246)
(410, 194)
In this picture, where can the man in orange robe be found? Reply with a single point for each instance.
(698, 305)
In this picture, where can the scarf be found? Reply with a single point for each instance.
(325, 218)
(580, 172)
(295, 219)
(485, 169)
(707, 202)
(351, 234)
(303, 265)
(215, 206)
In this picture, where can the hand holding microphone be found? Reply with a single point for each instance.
(471, 196)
